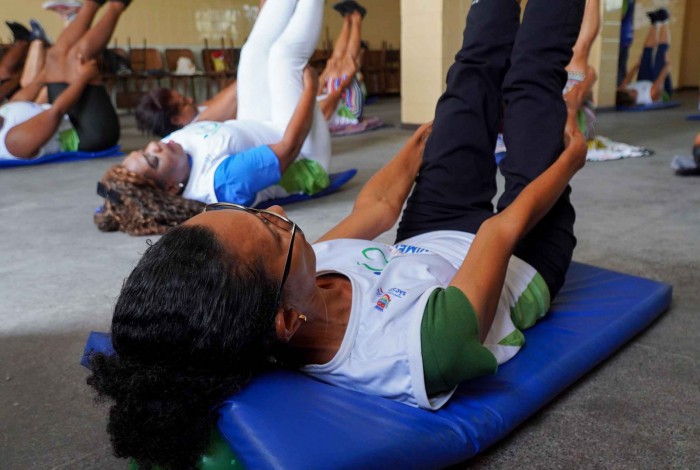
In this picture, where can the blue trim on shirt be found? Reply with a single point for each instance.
(240, 176)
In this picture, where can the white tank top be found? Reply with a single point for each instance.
(381, 351)
(643, 89)
(208, 143)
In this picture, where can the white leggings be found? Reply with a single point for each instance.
(272, 62)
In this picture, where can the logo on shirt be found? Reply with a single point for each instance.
(383, 302)
(396, 292)
(205, 129)
(408, 249)
(376, 260)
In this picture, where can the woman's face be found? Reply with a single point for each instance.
(164, 163)
(186, 109)
(251, 236)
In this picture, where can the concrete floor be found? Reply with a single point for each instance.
(59, 277)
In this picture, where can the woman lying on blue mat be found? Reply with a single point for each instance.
(215, 300)
(279, 144)
(653, 82)
(29, 130)
(143, 197)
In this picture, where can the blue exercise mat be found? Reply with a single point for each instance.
(287, 420)
(337, 181)
(63, 157)
(650, 107)
(693, 117)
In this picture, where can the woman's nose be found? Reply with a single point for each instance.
(277, 210)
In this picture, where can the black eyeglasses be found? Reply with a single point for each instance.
(268, 217)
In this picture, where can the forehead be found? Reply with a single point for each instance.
(243, 231)
(175, 96)
(135, 162)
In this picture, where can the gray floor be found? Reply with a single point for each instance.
(59, 277)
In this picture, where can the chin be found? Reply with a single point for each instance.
(175, 147)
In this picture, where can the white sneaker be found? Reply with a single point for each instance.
(66, 8)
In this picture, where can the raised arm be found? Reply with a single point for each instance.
(223, 106)
(330, 103)
(583, 91)
(25, 140)
(483, 271)
(379, 204)
(629, 78)
(299, 125)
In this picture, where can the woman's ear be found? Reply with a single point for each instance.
(287, 322)
(174, 189)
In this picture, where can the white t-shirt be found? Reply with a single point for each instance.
(16, 113)
(381, 351)
(643, 89)
(208, 143)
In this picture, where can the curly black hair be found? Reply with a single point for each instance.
(191, 326)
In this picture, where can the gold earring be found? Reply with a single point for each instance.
(302, 317)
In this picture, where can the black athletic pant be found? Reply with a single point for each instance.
(93, 117)
(522, 66)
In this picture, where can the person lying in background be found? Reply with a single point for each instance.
(653, 71)
(163, 111)
(29, 130)
(280, 145)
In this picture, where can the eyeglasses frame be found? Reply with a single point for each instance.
(251, 210)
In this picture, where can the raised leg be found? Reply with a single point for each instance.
(62, 59)
(534, 121)
(253, 88)
(13, 59)
(36, 57)
(661, 60)
(457, 179)
(288, 58)
(646, 63)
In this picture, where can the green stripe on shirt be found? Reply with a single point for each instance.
(450, 346)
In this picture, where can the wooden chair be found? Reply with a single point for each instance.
(117, 84)
(392, 70)
(177, 79)
(223, 74)
(373, 67)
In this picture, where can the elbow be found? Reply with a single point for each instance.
(503, 229)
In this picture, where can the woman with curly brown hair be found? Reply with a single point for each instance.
(136, 205)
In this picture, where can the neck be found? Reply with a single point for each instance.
(319, 339)
(183, 183)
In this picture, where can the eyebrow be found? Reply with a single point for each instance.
(268, 225)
